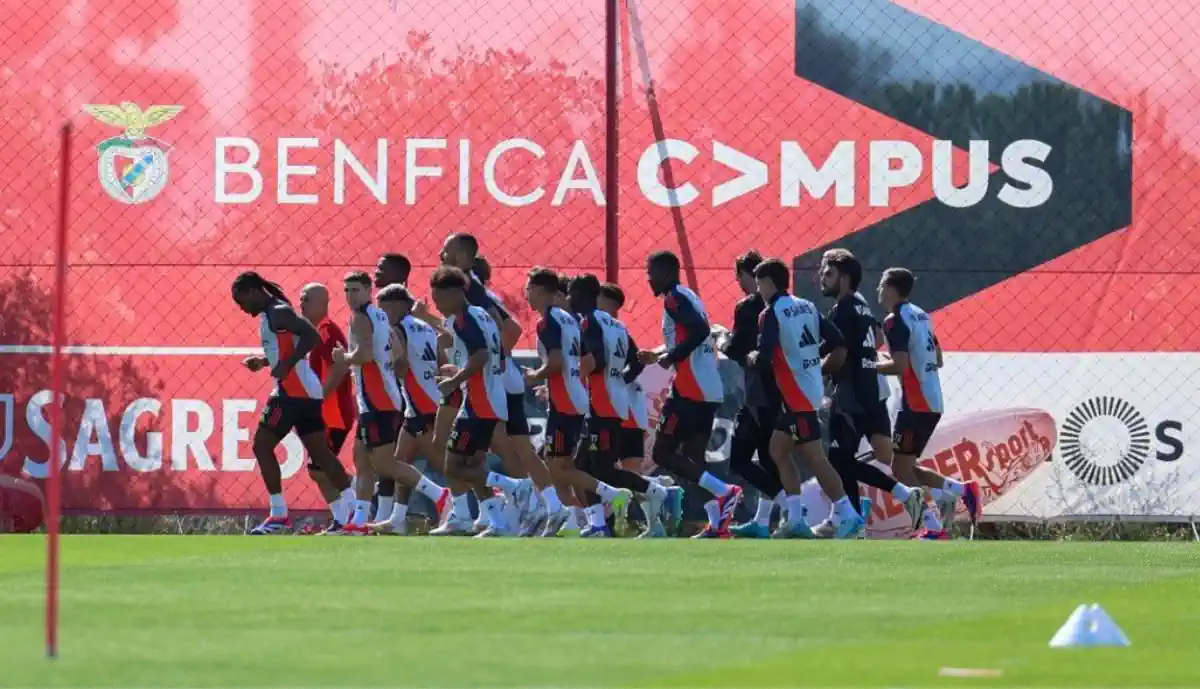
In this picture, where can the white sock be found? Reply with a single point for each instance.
(606, 492)
(278, 506)
(429, 489)
(842, 509)
(399, 514)
(795, 505)
(384, 510)
(578, 519)
(765, 507)
(645, 505)
(493, 510)
(936, 493)
(511, 511)
(713, 484)
(930, 520)
(550, 495)
(461, 508)
(714, 514)
(360, 512)
(657, 491)
(504, 483)
(901, 491)
(954, 488)
(340, 510)
(596, 516)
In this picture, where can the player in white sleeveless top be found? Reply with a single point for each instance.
(915, 355)
(294, 404)
(686, 422)
(415, 360)
(377, 393)
(789, 347)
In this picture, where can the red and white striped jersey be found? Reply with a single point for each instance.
(789, 341)
(375, 385)
(279, 345)
(607, 340)
(420, 381)
(909, 329)
(686, 333)
(558, 330)
(473, 331)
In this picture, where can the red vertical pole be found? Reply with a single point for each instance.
(612, 255)
(58, 375)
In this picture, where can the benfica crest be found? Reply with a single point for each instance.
(133, 167)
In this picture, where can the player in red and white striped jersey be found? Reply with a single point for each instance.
(415, 362)
(295, 403)
(687, 416)
(791, 331)
(915, 355)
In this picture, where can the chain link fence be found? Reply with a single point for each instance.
(1037, 169)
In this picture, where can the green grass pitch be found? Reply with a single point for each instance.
(196, 611)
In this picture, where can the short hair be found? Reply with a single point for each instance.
(846, 264)
(664, 260)
(776, 271)
(544, 278)
(899, 279)
(613, 292)
(587, 285)
(359, 277)
(564, 283)
(747, 262)
(448, 277)
(468, 241)
(400, 262)
(483, 269)
(395, 293)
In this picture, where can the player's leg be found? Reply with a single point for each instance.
(416, 439)
(801, 431)
(542, 498)
(512, 481)
(688, 426)
(747, 437)
(309, 425)
(912, 434)
(336, 438)
(275, 423)
(603, 441)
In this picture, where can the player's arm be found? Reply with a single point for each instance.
(592, 357)
(285, 318)
(834, 343)
(550, 336)
(330, 340)
(477, 353)
(685, 314)
(360, 332)
(633, 364)
(743, 338)
(399, 342)
(897, 334)
(768, 341)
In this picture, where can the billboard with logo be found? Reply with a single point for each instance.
(1035, 168)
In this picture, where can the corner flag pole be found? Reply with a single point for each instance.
(58, 383)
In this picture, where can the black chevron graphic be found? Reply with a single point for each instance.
(952, 87)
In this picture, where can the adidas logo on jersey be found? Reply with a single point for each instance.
(807, 339)
(428, 354)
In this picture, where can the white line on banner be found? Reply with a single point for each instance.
(117, 350)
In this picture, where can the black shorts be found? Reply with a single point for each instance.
(603, 436)
(517, 424)
(419, 425)
(379, 428)
(631, 443)
(282, 415)
(562, 434)
(682, 421)
(846, 430)
(337, 438)
(801, 426)
(470, 435)
(913, 431)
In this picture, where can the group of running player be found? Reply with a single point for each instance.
(445, 387)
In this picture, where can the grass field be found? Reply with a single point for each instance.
(323, 612)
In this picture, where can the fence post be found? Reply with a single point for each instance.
(612, 257)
